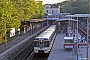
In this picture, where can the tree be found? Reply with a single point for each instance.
(12, 12)
(75, 6)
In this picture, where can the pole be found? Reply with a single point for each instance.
(87, 31)
(87, 39)
(76, 42)
(5, 35)
(77, 30)
(77, 36)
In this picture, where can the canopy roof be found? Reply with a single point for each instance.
(65, 19)
(35, 20)
(79, 15)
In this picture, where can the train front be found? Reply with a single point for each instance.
(41, 45)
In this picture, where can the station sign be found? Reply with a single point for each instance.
(12, 32)
(75, 44)
(82, 45)
(67, 45)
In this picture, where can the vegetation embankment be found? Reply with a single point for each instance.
(13, 12)
(75, 6)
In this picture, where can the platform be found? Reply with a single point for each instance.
(59, 53)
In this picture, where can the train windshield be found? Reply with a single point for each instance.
(42, 44)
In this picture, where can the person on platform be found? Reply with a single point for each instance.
(66, 34)
(83, 39)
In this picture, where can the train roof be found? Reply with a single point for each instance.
(67, 38)
(47, 33)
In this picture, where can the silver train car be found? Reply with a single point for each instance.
(44, 42)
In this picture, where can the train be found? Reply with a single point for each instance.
(45, 41)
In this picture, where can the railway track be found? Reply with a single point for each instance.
(40, 57)
(25, 52)
(82, 32)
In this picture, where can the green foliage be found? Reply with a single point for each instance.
(75, 6)
(12, 12)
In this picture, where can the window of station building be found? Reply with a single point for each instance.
(45, 16)
(48, 16)
(52, 11)
(53, 16)
(47, 11)
(57, 16)
(56, 11)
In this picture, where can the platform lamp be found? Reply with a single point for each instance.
(87, 38)
(87, 29)
(5, 33)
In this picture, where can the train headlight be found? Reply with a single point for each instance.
(41, 41)
(45, 49)
(36, 48)
(79, 38)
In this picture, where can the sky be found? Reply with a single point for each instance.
(52, 1)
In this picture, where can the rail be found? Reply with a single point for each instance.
(9, 53)
(22, 55)
(31, 56)
(83, 31)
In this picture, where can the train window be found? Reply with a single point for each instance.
(36, 43)
(45, 44)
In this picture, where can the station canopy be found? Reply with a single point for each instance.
(75, 15)
(79, 15)
(35, 20)
(66, 19)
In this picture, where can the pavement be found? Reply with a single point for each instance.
(4, 47)
(59, 53)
